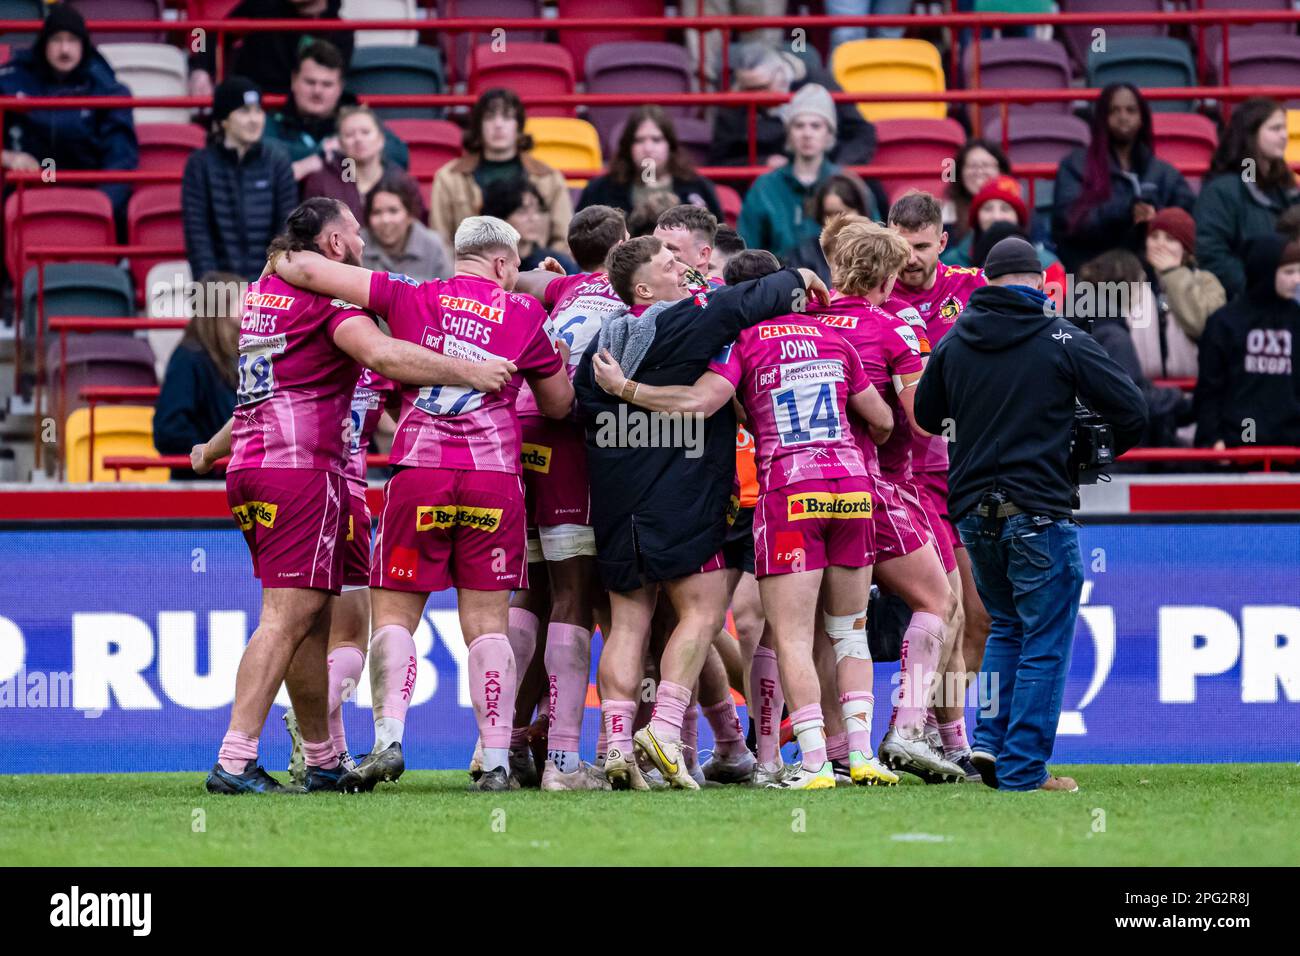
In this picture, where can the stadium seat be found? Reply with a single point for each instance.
(1040, 138)
(78, 288)
(58, 215)
(928, 145)
(122, 10)
(1212, 40)
(165, 298)
(164, 147)
(1259, 59)
(456, 47)
(1146, 62)
(537, 68)
(1079, 39)
(381, 10)
(635, 67)
(1293, 136)
(580, 43)
(899, 66)
(565, 143)
(693, 135)
(1020, 63)
(209, 9)
(730, 202)
(153, 218)
(1184, 138)
(119, 430)
(21, 10)
(431, 143)
(151, 69)
(1040, 32)
(98, 359)
(398, 69)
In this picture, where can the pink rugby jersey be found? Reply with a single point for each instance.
(465, 317)
(889, 349)
(579, 304)
(937, 307)
(368, 400)
(295, 384)
(794, 378)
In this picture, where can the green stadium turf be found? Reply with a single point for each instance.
(1200, 815)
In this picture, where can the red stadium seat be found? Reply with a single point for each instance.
(926, 144)
(1184, 138)
(456, 47)
(153, 218)
(1213, 37)
(730, 202)
(534, 68)
(210, 9)
(431, 143)
(580, 42)
(164, 147)
(58, 216)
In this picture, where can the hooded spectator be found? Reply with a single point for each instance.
(998, 200)
(63, 62)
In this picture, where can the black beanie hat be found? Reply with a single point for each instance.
(233, 93)
(1011, 255)
(63, 17)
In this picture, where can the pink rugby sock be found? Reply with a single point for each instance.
(392, 671)
(492, 688)
(320, 754)
(617, 716)
(521, 629)
(810, 729)
(671, 702)
(236, 750)
(857, 708)
(765, 682)
(568, 661)
(728, 737)
(691, 736)
(345, 664)
(837, 746)
(924, 642)
(644, 710)
(953, 735)
(602, 739)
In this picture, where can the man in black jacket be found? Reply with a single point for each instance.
(661, 486)
(1002, 386)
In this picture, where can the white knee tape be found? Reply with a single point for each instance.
(535, 551)
(848, 634)
(563, 541)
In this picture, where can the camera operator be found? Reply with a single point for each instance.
(1002, 387)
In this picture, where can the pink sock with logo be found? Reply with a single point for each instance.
(617, 716)
(671, 701)
(924, 642)
(392, 671)
(568, 661)
(345, 664)
(728, 737)
(765, 682)
(521, 629)
(953, 735)
(236, 750)
(320, 754)
(810, 729)
(492, 689)
(691, 736)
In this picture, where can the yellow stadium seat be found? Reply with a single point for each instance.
(1293, 136)
(893, 66)
(565, 143)
(119, 430)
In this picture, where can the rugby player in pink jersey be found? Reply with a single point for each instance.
(453, 513)
(797, 381)
(299, 358)
(864, 259)
(939, 294)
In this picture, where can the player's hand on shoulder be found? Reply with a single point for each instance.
(609, 376)
(813, 283)
(492, 375)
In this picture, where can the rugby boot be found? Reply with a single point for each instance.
(737, 768)
(623, 773)
(383, 766)
(667, 757)
(253, 780)
(823, 778)
(586, 777)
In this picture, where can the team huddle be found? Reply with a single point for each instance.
(521, 478)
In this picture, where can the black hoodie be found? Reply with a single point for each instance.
(1005, 379)
(1247, 361)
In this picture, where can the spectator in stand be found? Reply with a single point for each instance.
(646, 215)
(358, 168)
(1107, 192)
(842, 192)
(496, 150)
(397, 240)
(269, 59)
(726, 243)
(63, 62)
(1116, 275)
(713, 38)
(649, 160)
(1187, 296)
(998, 200)
(1249, 186)
(975, 164)
(238, 190)
(519, 202)
(777, 214)
(307, 127)
(865, 8)
(198, 390)
(760, 69)
(1246, 392)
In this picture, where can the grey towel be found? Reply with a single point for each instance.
(629, 337)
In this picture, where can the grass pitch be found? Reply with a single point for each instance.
(1124, 815)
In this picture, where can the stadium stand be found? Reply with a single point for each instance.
(903, 66)
(631, 67)
(382, 10)
(431, 142)
(164, 147)
(538, 68)
(565, 143)
(408, 70)
(456, 46)
(1019, 63)
(150, 69)
(1149, 62)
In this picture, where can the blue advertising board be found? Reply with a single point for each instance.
(118, 650)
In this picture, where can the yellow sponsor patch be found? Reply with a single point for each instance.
(536, 458)
(442, 517)
(349, 527)
(827, 504)
(261, 512)
(733, 510)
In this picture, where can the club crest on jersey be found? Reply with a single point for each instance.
(829, 504)
(782, 331)
(482, 310)
(442, 517)
(255, 512)
(951, 308)
(536, 458)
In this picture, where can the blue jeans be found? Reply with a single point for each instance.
(1029, 575)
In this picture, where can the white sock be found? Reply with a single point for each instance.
(388, 730)
(566, 761)
(494, 757)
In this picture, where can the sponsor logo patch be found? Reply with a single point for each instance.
(782, 331)
(483, 310)
(536, 458)
(828, 504)
(268, 300)
(789, 547)
(259, 512)
(839, 321)
(442, 517)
